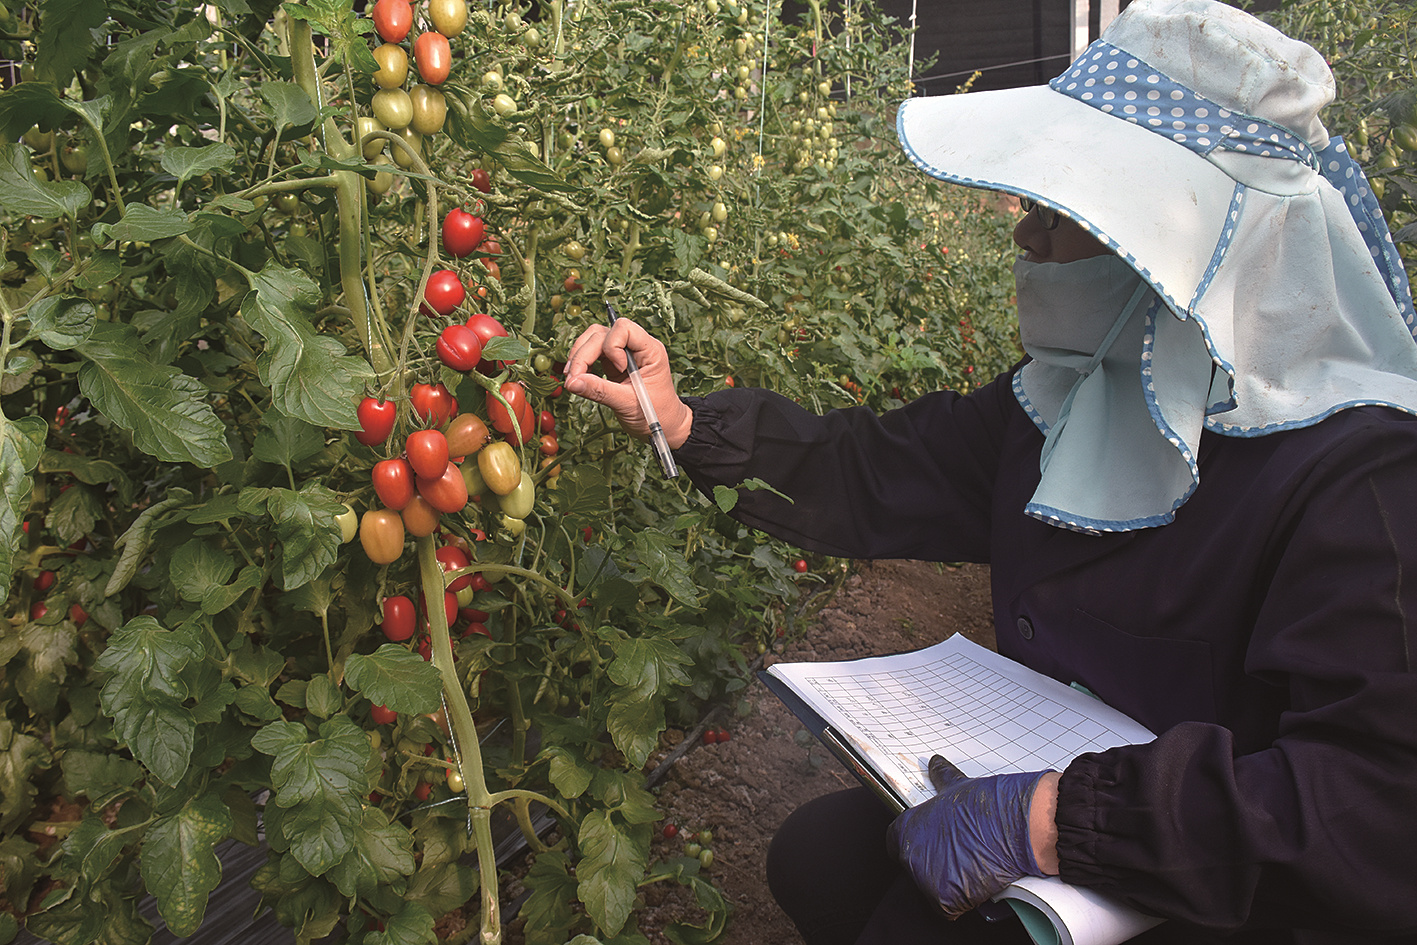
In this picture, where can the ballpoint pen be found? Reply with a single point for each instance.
(656, 432)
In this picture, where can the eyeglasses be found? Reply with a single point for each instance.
(1047, 216)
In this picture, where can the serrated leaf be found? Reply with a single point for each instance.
(93, 472)
(568, 773)
(411, 925)
(322, 783)
(63, 322)
(306, 530)
(160, 406)
(66, 38)
(218, 599)
(21, 757)
(186, 163)
(179, 863)
(612, 864)
(134, 541)
(73, 514)
(21, 444)
(395, 677)
(291, 106)
(311, 376)
(582, 491)
(664, 559)
(28, 104)
(472, 126)
(197, 567)
(23, 193)
(285, 440)
(145, 693)
(634, 724)
(382, 857)
(141, 222)
(98, 775)
(553, 890)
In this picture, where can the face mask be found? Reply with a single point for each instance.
(1066, 311)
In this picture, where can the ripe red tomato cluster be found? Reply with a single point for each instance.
(716, 736)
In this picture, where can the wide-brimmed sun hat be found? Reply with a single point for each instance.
(1187, 139)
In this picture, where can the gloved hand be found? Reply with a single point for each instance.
(970, 840)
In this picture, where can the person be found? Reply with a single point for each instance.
(1197, 495)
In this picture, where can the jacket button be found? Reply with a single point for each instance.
(1025, 628)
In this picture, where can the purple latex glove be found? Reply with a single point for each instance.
(970, 840)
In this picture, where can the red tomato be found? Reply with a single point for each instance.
(491, 247)
(545, 422)
(515, 396)
(434, 57)
(800, 566)
(486, 327)
(548, 445)
(383, 716)
(38, 609)
(393, 481)
(473, 615)
(433, 403)
(444, 292)
(44, 582)
(423, 791)
(392, 19)
(477, 628)
(459, 347)
(78, 614)
(376, 420)
(462, 232)
(61, 415)
(453, 559)
(427, 453)
(482, 180)
(446, 492)
(398, 622)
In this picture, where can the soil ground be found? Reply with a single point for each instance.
(742, 789)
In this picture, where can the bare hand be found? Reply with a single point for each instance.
(609, 344)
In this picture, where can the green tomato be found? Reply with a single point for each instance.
(518, 503)
(692, 849)
(504, 105)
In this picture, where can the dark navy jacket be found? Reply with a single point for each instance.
(1267, 634)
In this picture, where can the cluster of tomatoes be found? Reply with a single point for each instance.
(420, 111)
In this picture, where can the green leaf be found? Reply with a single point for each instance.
(179, 862)
(218, 599)
(99, 776)
(92, 472)
(582, 491)
(726, 497)
(285, 440)
(568, 773)
(623, 793)
(548, 909)
(311, 375)
(21, 757)
(197, 567)
(162, 407)
(305, 527)
(72, 515)
(395, 677)
(66, 38)
(382, 857)
(472, 126)
(28, 104)
(63, 322)
(146, 692)
(186, 163)
(664, 559)
(103, 267)
(134, 541)
(292, 107)
(612, 864)
(635, 723)
(144, 223)
(21, 443)
(324, 783)
(411, 925)
(23, 193)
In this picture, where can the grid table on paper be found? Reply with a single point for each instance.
(968, 712)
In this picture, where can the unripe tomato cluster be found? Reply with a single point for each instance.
(420, 110)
